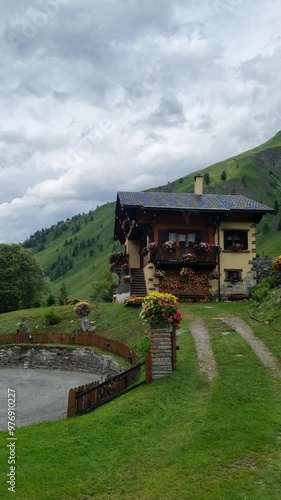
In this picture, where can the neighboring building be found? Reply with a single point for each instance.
(191, 244)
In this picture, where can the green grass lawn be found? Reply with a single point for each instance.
(178, 438)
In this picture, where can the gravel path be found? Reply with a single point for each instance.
(41, 395)
(259, 348)
(205, 356)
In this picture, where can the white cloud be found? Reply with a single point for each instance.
(101, 96)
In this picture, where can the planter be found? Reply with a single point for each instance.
(161, 350)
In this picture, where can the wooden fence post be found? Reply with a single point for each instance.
(71, 403)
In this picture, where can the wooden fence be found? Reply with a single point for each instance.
(80, 339)
(87, 397)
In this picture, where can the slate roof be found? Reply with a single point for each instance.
(190, 201)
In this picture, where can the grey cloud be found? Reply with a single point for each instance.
(169, 113)
(108, 88)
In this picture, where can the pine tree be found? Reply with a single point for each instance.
(223, 175)
(63, 296)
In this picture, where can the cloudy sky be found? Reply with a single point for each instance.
(106, 95)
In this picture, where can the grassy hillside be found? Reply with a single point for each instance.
(180, 437)
(75, 251)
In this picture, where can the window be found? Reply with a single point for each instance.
(233, 275)
(183, 239)
(235, 240)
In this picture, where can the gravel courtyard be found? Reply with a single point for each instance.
(41, 395)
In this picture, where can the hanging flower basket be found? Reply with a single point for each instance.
(118, 258)
(213, 275)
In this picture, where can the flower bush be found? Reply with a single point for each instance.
(277, 263)
(133, 301)
(169, 245)
(152, 245)
(82, 308)
(161, 309)
(213, 275)
(188, 257)
(185, 272)
(235, 247)
(160, 274)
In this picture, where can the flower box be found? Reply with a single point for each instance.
(169, 245)
(185, 272)
(235, 247)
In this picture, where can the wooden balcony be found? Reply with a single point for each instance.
(173, 256)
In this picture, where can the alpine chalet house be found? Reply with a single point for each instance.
(194, 245)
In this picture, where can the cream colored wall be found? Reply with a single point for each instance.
(238, 260)
(133, 248)
(152, 284)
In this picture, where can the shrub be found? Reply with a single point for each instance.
(52, 318)
(51, 300)
(261, 291)
(104, 289)
(143, 347)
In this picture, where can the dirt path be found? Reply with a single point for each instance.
(259, 348)
(205, 356)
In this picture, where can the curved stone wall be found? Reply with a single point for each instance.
(58, 358)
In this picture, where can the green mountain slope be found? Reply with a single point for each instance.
(76, 251)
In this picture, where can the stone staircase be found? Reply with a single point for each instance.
(138, 286)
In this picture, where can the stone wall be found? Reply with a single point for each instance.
(261, 269)
(59, 358)
(262, 266)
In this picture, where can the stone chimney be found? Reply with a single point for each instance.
(198, 184)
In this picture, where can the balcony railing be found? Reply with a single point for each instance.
(174, 256)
